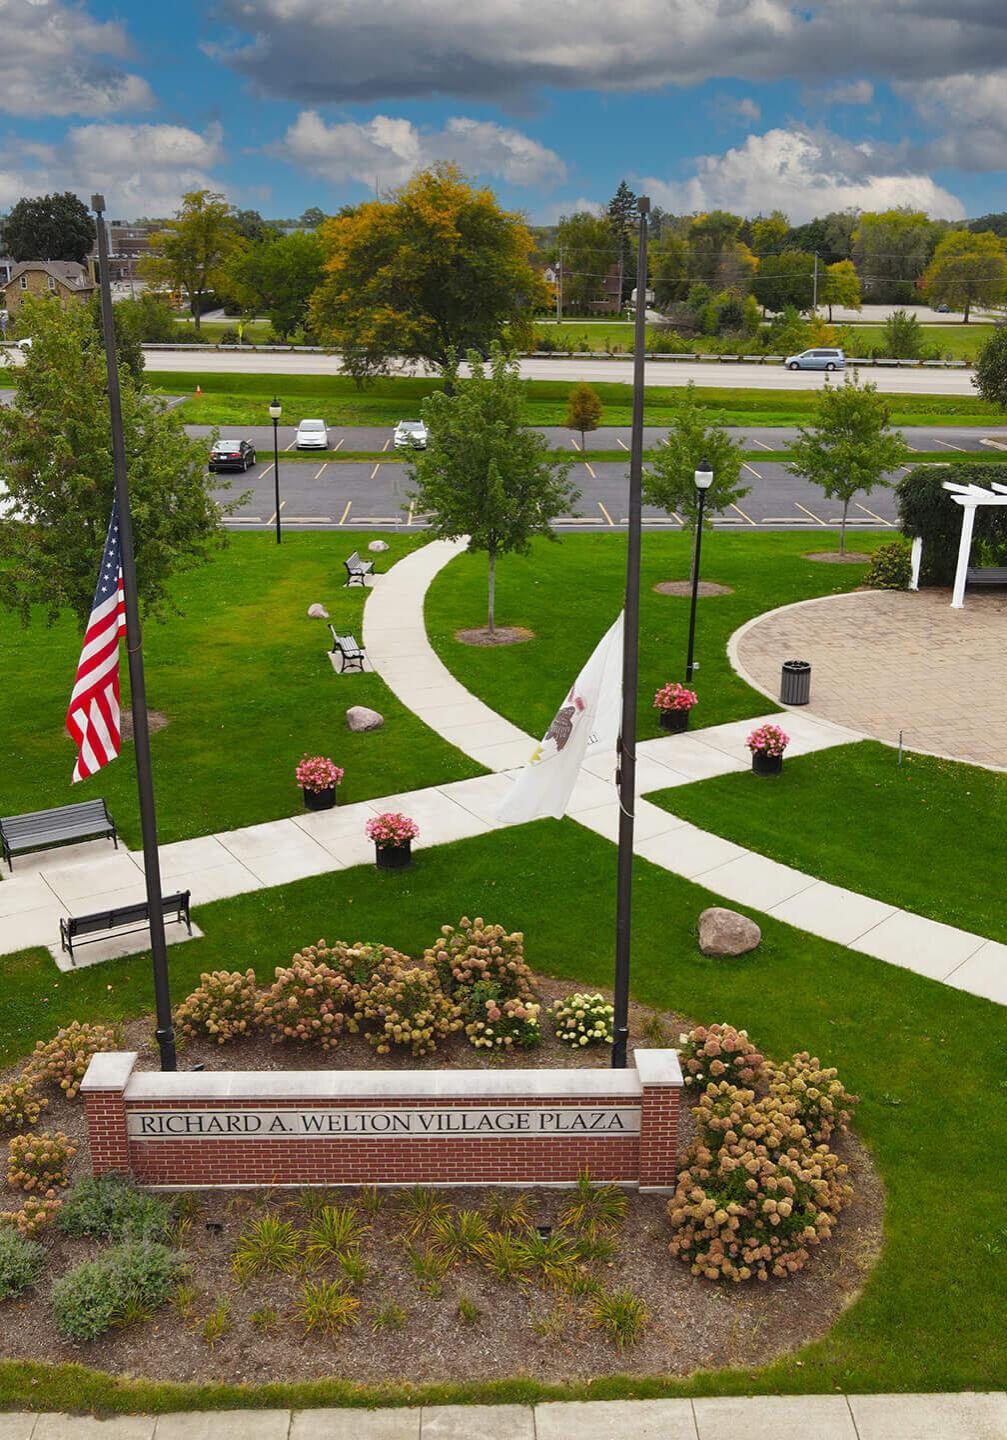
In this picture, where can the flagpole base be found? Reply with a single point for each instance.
(166, 1045)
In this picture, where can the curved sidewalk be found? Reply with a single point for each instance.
(966, 1416)
(396, 642)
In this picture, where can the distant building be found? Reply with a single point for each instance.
(65, 280)
(128, 244)
(6, 267)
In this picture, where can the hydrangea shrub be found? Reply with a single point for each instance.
(39, 1162)
(408, 1007)
(713, 1052)
(582, 1020)
(495, 1023)
(64, 1059)
(224, 1006)
(20, 1104)
(306, 1004)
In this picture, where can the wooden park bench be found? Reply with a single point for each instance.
(123, 920)
(357, 570)
(345, 645)
(42, 829)
(986, 575)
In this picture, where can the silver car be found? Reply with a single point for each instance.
(411, 435)
(312, 435)
(822, 358)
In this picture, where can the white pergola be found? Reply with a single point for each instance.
(969, 497)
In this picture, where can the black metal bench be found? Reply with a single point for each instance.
(123, 920)
(986, 575)
(347, 647)
(357, 570)
(41, 829)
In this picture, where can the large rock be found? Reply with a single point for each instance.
(358, 717)
(725, 932)
(378, 546)
(317, 612)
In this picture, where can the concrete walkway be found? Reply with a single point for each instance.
(968, 1416)
(92, 876)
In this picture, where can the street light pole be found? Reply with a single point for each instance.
(703, 478)
(275, 411)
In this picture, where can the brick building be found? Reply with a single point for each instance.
(65, 280)
(128, 245)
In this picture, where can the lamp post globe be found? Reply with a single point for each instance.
(702, 479)
(275, 411)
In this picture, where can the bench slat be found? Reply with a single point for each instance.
(122, 918)
(38, 829)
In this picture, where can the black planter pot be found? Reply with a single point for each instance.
(764, 764)
(320, 799)
(674, 721)
(394, 857)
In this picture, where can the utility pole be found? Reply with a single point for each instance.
(559, 289)
(814, 301)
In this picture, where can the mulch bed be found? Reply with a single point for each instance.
(501, 635)
(833, 557)
(684, 587)
(523, 1329)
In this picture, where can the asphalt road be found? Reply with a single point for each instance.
(768, 377)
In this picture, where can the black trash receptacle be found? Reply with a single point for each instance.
(795, 683)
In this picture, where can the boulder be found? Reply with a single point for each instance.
(725, 932)
(378, 546)
(358, 717)
(317, 612)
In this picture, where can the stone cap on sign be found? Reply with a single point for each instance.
(108, 1070)
(658, 1067)
(421, 1085)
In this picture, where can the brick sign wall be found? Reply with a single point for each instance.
(468, 1127)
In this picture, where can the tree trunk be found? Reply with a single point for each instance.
(197, 309)
(842, 529)
(829, 303)
(965, 317)
(492, 596)
(583, 441)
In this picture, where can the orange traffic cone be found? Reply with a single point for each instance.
(198, 390)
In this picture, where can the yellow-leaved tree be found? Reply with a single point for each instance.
(434, 267)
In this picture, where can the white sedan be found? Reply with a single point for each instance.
(411, 435)
(312, 435)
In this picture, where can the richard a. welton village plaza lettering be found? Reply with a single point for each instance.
(388, 1123)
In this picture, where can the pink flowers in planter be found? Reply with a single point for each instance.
(674, 696)
(316, 772)
(391, 830)
(768, 740)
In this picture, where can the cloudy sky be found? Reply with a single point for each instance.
(747, 105)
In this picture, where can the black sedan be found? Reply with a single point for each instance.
(232, 455)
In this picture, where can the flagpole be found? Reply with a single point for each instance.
(134, 649)
(626, 775)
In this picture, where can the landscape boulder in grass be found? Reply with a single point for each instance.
(317, 612)
(725, 932)
(378, 546)
(358, 717)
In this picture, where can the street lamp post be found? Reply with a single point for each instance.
(703, 479)
(275, 411)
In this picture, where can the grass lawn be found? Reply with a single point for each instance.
(927, 1062)
(244, 400)
(955, 342)
(569, 593)
(906, 834)
(244, 679)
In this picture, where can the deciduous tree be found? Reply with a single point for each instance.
(56, 457)
(849, 447)
(783, 280)
(967, 270)
(276, 278)
(435, 267)
(838, 285)
(583, 410)
(891, 250)
(49, 227)
(990, 377)
(586, 246)
(484, 472)
(194, 248)
(670, 480)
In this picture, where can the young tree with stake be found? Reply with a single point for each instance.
(583, 411)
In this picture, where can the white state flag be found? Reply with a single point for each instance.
(587, 721)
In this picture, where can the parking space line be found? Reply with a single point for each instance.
(339, 444)
(574, 443)
(745, 466)
(872, 513)
(342, 519)
(273, 516)
(319, 475)
(605, 513)
(815, 517)
(753, 441)
(587, 467)
(620, 441)
(263, 473)
(412, 505)
(290, 446)
(676, 516)
(386, 445)
(376, 469)
(742, 513)
(914, 450)
(947, 446)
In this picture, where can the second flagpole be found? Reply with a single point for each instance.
(630, 664)
(134, 649)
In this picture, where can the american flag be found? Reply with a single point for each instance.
(93, 716)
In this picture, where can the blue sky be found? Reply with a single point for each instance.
(747, 105)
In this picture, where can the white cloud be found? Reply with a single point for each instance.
(385, 151)
(968, 112)
(802, 173)
(856, 92)
(56, 60)
(319, 51)
(140, 169)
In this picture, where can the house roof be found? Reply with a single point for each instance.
(68, 271)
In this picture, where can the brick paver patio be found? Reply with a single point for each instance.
(884, 661)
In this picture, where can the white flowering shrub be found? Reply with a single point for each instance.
(582, 1020)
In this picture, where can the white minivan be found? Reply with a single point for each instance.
(822, 358)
